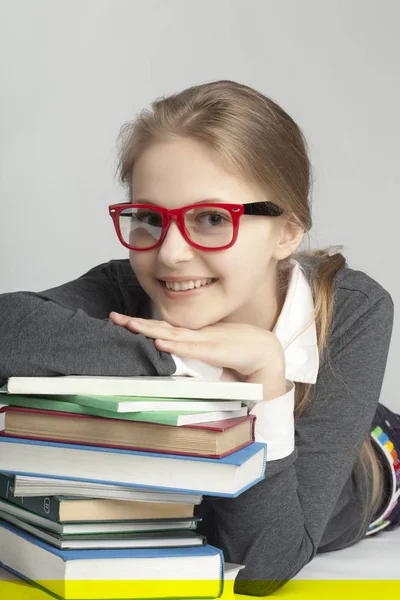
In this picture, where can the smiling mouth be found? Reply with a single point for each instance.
(187, 286)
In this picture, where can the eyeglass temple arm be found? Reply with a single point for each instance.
(268, 209)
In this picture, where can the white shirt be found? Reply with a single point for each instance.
(295, 329)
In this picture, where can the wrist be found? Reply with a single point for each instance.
(274, 384)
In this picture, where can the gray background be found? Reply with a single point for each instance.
(72, 71)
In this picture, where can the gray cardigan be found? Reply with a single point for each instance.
(311, 501)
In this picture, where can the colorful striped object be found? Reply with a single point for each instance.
(390, 453)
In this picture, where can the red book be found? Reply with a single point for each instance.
(215, 439)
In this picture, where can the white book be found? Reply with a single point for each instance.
(228, 476)
(128, 404)
(26, 485)
(154, 539)
(163, 387)
(9, 511)
(113, 573)
(210, 417)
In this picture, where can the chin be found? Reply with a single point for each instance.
(187, 321)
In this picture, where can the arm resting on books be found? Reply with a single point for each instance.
(66, 330)
(276, 527)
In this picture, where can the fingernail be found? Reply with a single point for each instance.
(162, 343)
(116, 316)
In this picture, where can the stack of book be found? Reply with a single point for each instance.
(100, 476)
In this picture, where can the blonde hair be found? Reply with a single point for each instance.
(257, 140)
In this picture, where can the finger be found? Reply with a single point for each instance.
(151, 321)
(119, 318)
(147, 327)
(125, 319)
(205, 351)
(166, 332)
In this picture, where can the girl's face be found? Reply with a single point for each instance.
(180, 172)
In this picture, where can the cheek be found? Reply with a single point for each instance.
(249, 258)
(142, 264)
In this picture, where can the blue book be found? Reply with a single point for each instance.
(228, 476)
(129, 573)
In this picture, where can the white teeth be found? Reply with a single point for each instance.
(187, 285)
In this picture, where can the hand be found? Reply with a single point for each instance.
(255, 354)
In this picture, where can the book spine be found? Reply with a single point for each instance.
(45, 506)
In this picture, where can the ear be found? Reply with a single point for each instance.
(288, 238)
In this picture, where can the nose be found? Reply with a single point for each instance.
(175, 248)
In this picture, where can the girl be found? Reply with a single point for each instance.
(218, 179)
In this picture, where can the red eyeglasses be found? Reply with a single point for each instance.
(205, 226)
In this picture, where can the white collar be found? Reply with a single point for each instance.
(296, 330)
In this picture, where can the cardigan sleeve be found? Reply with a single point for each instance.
(66, 330)
(275, 527)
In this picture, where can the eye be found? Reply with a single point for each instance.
(213, 218)
(148, 218)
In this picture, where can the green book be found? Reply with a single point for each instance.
(47, 507)
(10, 509)
(124, 404)
(150, 539)
(67, 404)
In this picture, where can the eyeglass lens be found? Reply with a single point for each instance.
(210, 227)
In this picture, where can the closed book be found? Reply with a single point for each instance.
(158, 387)
(25, 485)
(228, 476)
(212, 439)
(166, 417)
(196, 572)
(124, 404)
(96, 527)
(151, 539)
(61, 509)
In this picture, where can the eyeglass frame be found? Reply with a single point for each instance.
(263, 209)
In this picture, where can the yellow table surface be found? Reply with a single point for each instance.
(296, 590)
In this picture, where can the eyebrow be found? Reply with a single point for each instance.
(145, 201)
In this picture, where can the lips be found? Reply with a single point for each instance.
(187, 285)
(184, 278)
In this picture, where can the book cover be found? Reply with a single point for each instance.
(175, 418)
(25, 485)
(47, 506)
(111, 553)
(228, 476)
(150, 539)
(198, 571)
(190, 440)
(66, 509)
(157, 386)
(122, 404)
(96, 527)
